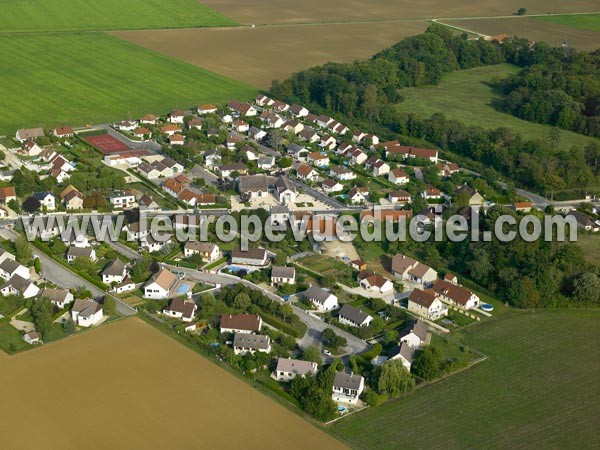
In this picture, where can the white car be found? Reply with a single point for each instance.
(326, 352)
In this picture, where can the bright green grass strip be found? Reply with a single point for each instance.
(466, 96)
(538, 389)
(589, 22)
(79, 15)
(70, 78)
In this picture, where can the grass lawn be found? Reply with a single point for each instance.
(70, 15)
(71, 78)
(467, 96)
(590, 244)
(10, 335)
(537, 389)
(589, 22)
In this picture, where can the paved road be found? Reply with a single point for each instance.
(315, 326)
(123, 250)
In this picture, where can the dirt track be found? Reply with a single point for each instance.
(128, 386)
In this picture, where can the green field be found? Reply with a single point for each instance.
(78, 15)
(589, 22)
(466, 96)
(539, 388)
(71, 78)
(11, 340)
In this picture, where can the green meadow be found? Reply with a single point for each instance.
(538, 389)
(589, 22)
(468, 96)
(79, 78)
(79, 15)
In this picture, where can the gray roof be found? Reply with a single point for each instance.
(9, 265)
(296, 366)
(347, 380)
(252, 341)
(86, 307)
(283, 272)
(251, 253)
(77, 252)
(280, 209)
(353, 314)
(317, 294)
(115, 267)
(419, 328)
(54, 295)
(255, 183)
(17, 282)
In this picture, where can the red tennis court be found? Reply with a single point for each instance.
(106, 144)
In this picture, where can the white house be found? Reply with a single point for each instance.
(321, 299)
(124, 286)
(354, 317)
(114, 272)
(122, 200)
(342, 173)
(282, 275)
(241, 323)
(398, 176)
(288, 369)
(9, 268)
(19, 285)
(58, 297)
(415, 334)
(87, 312)
(251, 343)
(358, 195)
(347, 387)
(250, 257)
(31, 338)
(455, 294)
(180, 308)
(407, 268)
(377, 283)
(405, 353)
(207, 250)
(47, 200)
(329, 185)
(80, 252)
(159, 286)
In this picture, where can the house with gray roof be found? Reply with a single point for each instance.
(17, 285)
(87, 312)
(287, 369)
(349, 315)
(347, 387)
(415, 334)
(78, 252)
(114, 272)
(405, 353)
(321, 299)
(282, 275)
(251, 343)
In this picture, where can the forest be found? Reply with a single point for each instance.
(366, 93)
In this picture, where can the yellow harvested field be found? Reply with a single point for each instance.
(314, 11)
(533, 29)
(128, 386)
(260, 55)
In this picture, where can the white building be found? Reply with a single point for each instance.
(87, 312)
(288, 369)
(347, 387)
(321, 299)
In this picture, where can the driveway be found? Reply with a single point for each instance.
(315, 326)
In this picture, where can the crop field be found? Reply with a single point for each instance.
(133, 387)
(260, 55)
(590, 22)
(317, 11)
(467, 96)
(77, 15)
(58, 79)
(537, 389)
(545, 29)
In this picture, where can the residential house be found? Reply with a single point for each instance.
(376, 283)
(293, 126)
(227, 170)
(279, 215)
(17, 285)
(114, 272)
(251, 343)
(175, 166)
(309, 135)
(207, 109)
(176, 116)
(208, 251)
(135, 231)
(347, 387)
(31, 148)
(380, 168)
(241, 323)
(126, 125)
(122, 200)
(358, 195)
(148, 171)
(176, 139)
(285, 191)
(280, 106)
(60, 298)
(321, 299)
(405, 354)
(151, 245)
(243, 109)
(524, 207)
(170, 130)
(254, 186)
(410, 269)
(328, 142)
(180, 308)
(297, 151)
(29, 133)
(31, 338)
(583, 221)
(160, 285)
(307, 173)
(172, 187)
(398, 176)
(241, 126)
(474, 197)
(71, 197)
(212, 158)
(149, 119)
(7, 194)
(265, 162)
(9, 268)
(432, 193)
(195, 124)
(147, 203)
(399, 197)
(349, 315)
(250, 257)
(342, 173)
(263, 100)
(426, 304)
(87, 312)
(329, 185)
(298, 110)
(126, 285)
(288, 369)
(357, 264)
(282, 275)
(63, 132)
(414, 334)
(318, 159)
(455, 295)
(46, 199)
(80, 252)
(256, 133)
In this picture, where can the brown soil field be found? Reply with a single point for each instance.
(313, 11)
(533, 29)
(128, 386)
(260, 55)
